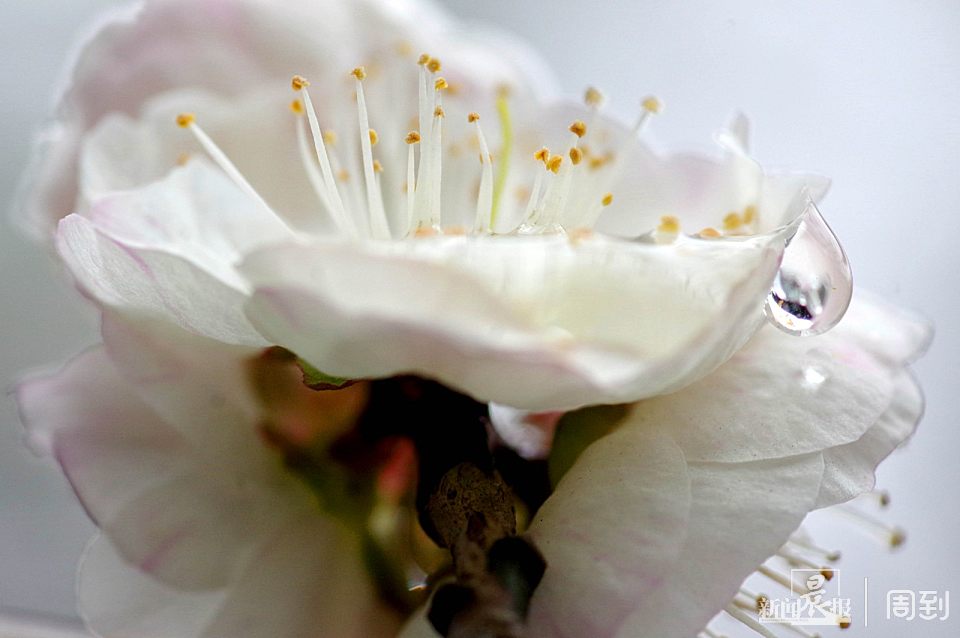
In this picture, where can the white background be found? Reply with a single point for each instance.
(865, 92)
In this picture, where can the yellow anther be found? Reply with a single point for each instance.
(329, 137)
(440, 84)
(593, 97)
(299, 82)
(433, 65)
(438, 112)
(827, 573)
(669, 224)
(607, 199)
(423, 59)
(652, 104)
(732, 221)
(749, 214)
(186, 119)
(413, 137)
(553, 165)
(182, 159)
(377, 166)
(576, 155)
(374, 138)
(897, 538)
(542, 155)
(343, 175)
(404, 48)
(710, 233)
(578, 128)
(844, 623)
(359, 73)
(473, 117)
(297, 107)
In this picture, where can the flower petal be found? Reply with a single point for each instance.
(740, 514)
(850, 469)
(169, 250)
(611, 533)
(533, 322)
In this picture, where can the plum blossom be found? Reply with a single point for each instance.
(436, 215)
(371, 249)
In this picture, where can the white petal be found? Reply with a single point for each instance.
(779, 396)
(533, 322)
(850, 469)
(169, 251)
(257, 132)
(611, 533)
(740, 514)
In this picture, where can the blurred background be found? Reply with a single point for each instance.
(866, 92)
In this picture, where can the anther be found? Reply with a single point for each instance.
(542, 155)
(710, 233)
(554, 164)
(330, 137)
(749, 214)
(592, 97)
(732, 221)
(438, 112)
(473, 117)
(374, 138)
(299, 83)
(377, 166)
(297, 107)
(576, 155)
(669, 225)
(360, 73)
(440, 84)
(607, 199)
(433, 65)
(413, 137)
(578, 128)
(652, 104)
(184, 120)
(423, 59)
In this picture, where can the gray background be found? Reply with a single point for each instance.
(865, 92)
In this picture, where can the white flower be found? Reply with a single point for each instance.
(206, 533)
(362, 234)
(362, 277)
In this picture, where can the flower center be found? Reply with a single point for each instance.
(569, 189)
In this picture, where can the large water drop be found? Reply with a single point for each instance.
(812, 290)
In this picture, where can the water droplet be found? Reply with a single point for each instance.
(812, 290)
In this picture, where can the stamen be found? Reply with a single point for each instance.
(189, 121)
(300, 84)
(484, 215)
(436, 157)
(433, 65)
(607, 199)
(310, 166)
(781, 579)
(890, 534)
(413, 138)
(710, 233)
(576, 155)
(802, 542)
(374, 138)
(377, 216)
(669, 225)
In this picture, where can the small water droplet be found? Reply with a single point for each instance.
(812, 290)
